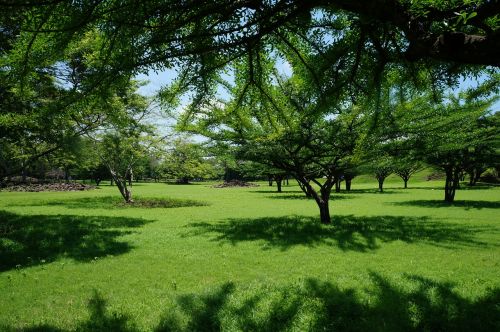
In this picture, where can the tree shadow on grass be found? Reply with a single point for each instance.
(27, 240)
(375, 191)
(441, 203)
(348, 233)
(100, 319)
(312, 305)
(315, 305)
(299, 196)
(116, 202)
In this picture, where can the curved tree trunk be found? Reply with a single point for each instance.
(304, 189)
(121, 183)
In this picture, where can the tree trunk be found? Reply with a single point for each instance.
(130, 177)
(321, 198)
(348, 184)
(337, 185)
(124, 190)
(121, 183)
(381, 184)
(112, 182)
(324, 212)
(287, 183)
(451, 184)
(304, 189)
(278, 180)
(405, 179)
(270, 180)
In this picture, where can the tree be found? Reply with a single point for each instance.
(284, 126)
(186, 161)
(405, 168)
(123, 143)
(444, 134)
(382, 168)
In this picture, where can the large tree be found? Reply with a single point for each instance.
(283, 123)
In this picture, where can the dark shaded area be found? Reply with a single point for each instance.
(27, 240)
(114, 202)
(376, 191)
(440, 203)
(432, 306)
(313, 305)
(302, 196)
(271, 191)
(347, 232)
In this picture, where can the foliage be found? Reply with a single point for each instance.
(186, 161)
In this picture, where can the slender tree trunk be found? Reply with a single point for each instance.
(381, 184)
(405, 179)
(278, 180)
(121, 183)
(130, 177)
(451, 184)
(337, 185)
(287, 183)
(348, 184)
(270, 180)
(112, 182)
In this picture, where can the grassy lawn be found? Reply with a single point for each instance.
(251, 259)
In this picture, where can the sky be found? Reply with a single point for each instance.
(159, 79)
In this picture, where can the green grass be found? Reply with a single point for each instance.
(249, 259)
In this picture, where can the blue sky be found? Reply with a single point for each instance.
(159, 79)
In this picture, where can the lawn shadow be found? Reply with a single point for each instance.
(441, 203)
(302, 196)
(116, 202)
(315, 305)
(374, 190)
(348, 233)
(274, 191)
(28, 240)
(311, 305)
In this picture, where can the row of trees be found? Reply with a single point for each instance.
(366, 86)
